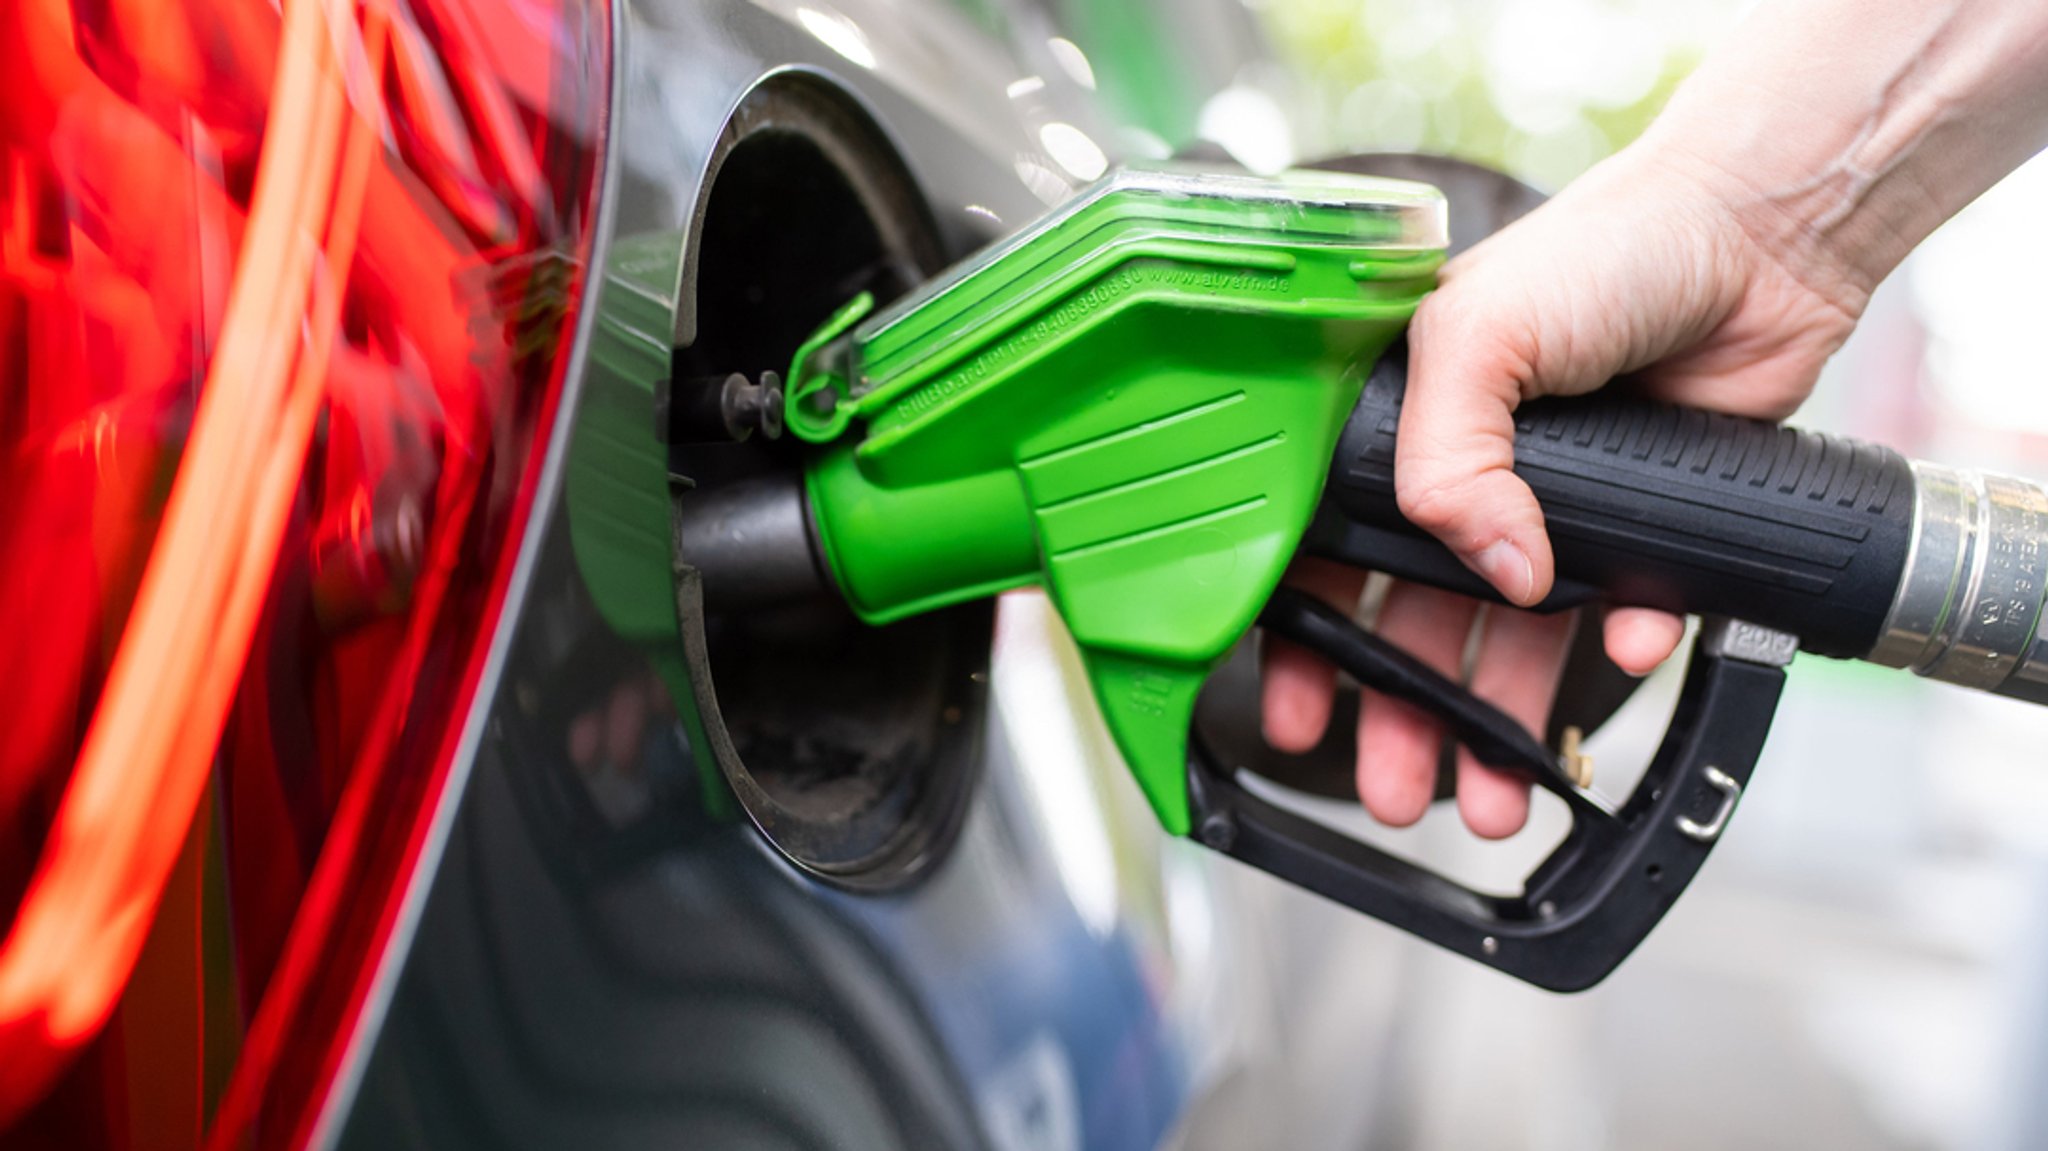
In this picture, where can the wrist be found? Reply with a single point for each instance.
(1733, 232)
(1837, 163)
(1785, 185)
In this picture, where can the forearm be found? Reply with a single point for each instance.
(1845, 131)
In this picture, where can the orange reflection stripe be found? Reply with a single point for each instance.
(146, 756)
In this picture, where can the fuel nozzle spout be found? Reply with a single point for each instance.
(751, 543)
(1969, 601)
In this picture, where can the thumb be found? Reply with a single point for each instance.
(1617, 271)
(1454, 456)
(1631, 263)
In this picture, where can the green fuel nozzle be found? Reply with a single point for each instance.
(1133, 404)
(1151, 400)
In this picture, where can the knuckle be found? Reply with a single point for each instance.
(1430, 497)
(1441, 313)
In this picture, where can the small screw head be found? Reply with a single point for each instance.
(770, 418)
(1490, 945)
(1219, 832)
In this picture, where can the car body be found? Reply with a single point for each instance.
(952, 922)
(1059, 975)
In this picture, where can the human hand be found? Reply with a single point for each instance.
(1645, 265)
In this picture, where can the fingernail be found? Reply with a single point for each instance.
(1507, 567)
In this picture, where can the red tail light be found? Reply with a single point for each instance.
(285, 304)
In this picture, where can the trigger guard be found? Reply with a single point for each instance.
(1597, 895)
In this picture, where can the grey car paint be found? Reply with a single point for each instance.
(587, 969)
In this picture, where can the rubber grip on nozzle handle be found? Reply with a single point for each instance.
(1653, 505)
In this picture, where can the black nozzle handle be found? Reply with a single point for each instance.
(1653, 505)
(1599, 892)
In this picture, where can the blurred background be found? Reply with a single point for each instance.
(1864, 963)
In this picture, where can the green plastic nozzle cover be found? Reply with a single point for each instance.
(1132, 403)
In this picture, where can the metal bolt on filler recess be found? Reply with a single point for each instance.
(1149, 401)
